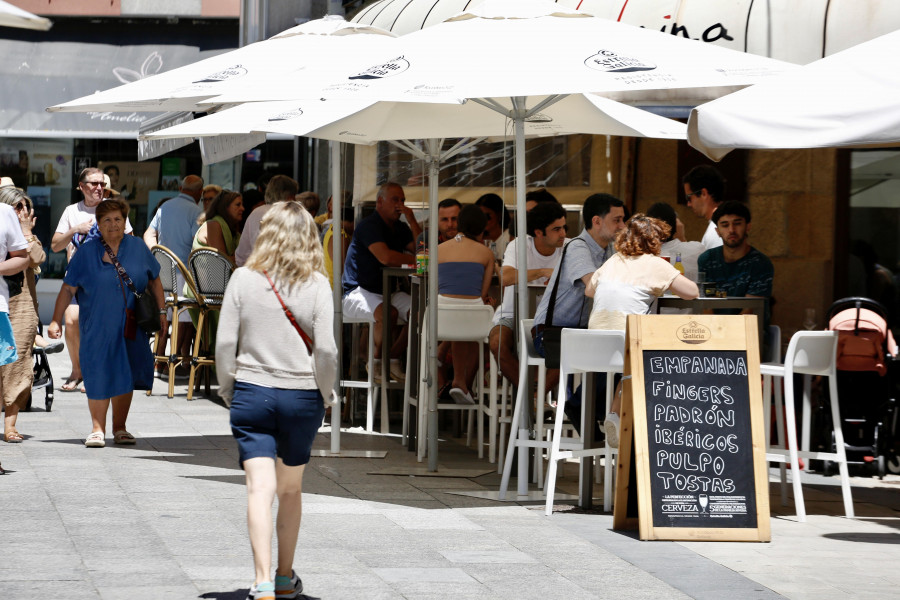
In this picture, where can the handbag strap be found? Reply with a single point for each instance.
(552, 304)
(290, 316)
(120, 269)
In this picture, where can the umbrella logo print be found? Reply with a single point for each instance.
(610, 62)
(394, 67)
(287, 115)
(224, 74)
(539, 118)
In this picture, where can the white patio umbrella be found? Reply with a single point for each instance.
(13, 16)
(851, 98)
(518, 59)
(301, 54)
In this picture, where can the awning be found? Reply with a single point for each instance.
(41, 69)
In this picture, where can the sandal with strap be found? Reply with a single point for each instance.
(13, 437)
(95, 440)
(123, 438)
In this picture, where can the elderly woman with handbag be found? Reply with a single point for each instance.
(116, 281)
(276, 390)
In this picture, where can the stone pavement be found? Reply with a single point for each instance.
(166, 519)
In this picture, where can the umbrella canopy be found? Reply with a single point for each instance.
(13, 16)
(363, 122)
(310, 51)
(846, 99)
(538, 48)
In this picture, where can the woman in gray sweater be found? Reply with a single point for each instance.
(275, 379)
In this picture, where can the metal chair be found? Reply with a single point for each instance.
(211, 271)
(585, 351)
(171, 272)
(809, 353)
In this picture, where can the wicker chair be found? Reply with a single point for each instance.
(211, 271)
(171, 269)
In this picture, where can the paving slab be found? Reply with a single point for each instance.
(166, 518)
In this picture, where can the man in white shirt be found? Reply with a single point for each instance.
(675, 245)
(545, 239)
(704, 189)
(281, 188)
(72, 231)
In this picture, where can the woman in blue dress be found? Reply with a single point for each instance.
(115, 357)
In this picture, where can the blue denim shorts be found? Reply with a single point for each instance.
(275, 422)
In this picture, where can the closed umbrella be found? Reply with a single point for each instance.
(851, 98)
(13, 16)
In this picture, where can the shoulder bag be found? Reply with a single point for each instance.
(290, 317)
(146, 310)
(553, 333)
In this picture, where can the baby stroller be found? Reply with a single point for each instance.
(43, 377)
(867, 365)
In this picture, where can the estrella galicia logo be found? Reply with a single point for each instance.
(287, 115)
(393, 67)
(610, 62)
(539, 118)
(224, 74)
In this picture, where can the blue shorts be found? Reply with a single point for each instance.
(275, 422)
(7, 341)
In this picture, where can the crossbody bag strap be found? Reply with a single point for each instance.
(552, 304)
(290, 316)
(119, 268)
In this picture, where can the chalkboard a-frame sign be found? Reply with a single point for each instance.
(692, 462)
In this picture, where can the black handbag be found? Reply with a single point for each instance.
(146, 310)
(552, 334)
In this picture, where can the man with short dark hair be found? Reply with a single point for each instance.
(280, 188)
(448, 221)
(736, 266)
(380, 240)
(535, 197)
(704, 189)
(547, 233)
(604, 217)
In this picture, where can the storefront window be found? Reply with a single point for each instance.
(874, 261)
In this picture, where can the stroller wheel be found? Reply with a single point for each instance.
(893, 464)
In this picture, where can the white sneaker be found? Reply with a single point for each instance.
(397, 372)
(376, 376)
(461, 397)
(611, 428)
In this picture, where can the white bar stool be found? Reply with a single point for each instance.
(457, 323)
(809, 353)
(585, 351)
(520, 432)
(367, 384)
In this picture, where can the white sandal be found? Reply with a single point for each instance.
(95, 440)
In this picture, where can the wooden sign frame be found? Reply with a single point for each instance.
(634, 505)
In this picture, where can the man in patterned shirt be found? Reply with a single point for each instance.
(736, 266)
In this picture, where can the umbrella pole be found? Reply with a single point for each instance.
(521, 227)
(337, 198)
(434, 170)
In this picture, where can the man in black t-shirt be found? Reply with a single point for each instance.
(379, 240)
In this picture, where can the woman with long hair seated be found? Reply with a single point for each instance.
(219, 224)
(115, 353)
(275, 380)
(628, 283)
(465, 268)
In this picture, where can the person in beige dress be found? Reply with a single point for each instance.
(16, 378)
